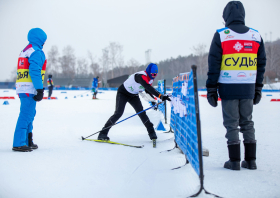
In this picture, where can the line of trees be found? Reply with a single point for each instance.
(111, 64)
(272, 69)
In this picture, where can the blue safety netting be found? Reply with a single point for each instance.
(183, 118)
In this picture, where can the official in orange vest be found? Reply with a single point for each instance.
(29, 87)
(236, 67)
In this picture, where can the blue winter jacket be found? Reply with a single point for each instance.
(37, 38)
(95, 83)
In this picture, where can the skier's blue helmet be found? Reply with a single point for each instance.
(152, 70)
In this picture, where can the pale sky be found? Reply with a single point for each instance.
(169, 27)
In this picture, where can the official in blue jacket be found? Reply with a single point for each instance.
(29, 87)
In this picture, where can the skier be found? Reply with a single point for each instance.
(236, 67)
(50, 85)
(29, 87)
(128, 92)
(95, 87)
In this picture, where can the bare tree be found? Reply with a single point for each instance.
(132, 66)
(52, 64)
(93, 66)
(104, 61)
(115, 56)
(67, 62)
(13, 76)
(273, 59)
(82, 67)
(200, 51)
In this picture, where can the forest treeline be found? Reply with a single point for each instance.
(111, 63)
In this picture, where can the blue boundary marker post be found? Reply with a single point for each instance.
(165, 114)
(162, 89)
(201, 175)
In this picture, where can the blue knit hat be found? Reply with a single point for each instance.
(152, 68)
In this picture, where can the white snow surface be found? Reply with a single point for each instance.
(66, 166)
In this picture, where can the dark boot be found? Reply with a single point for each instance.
(22, 149)
(30, 142)
(151, 130)
(250, 156)
(234, 157)
(103, 135)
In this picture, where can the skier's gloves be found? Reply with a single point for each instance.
(155, 107)
(258, 93)
(212, 96)
(165, 97)
(39, 96)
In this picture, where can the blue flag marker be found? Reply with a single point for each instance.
(6, 103)
(160, 127)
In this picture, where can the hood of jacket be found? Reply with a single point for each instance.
(234, 12)
(37, 36)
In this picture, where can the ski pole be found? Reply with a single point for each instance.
(123, 120)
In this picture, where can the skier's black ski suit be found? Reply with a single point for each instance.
(123, 96)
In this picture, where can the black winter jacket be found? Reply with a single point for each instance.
(234, 16)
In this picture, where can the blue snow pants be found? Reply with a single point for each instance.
(25, 119)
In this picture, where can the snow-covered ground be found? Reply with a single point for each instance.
(66, 166)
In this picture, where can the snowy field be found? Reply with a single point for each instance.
(66, 166)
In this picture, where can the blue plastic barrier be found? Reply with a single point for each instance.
(183, 122)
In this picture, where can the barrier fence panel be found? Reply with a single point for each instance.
(162, 90)
(185, 120)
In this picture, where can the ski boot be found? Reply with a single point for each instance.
(153, 135)
(30, 142)
(234, 157)
(22, 149)
(103, 136)
(250, 156)
(151, 130)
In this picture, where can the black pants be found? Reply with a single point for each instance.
(50, 90)
(134, 100)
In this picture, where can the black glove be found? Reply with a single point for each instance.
(258, 94)
(155, 107)
(212, 96)
(165, 97)
(39, 96)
